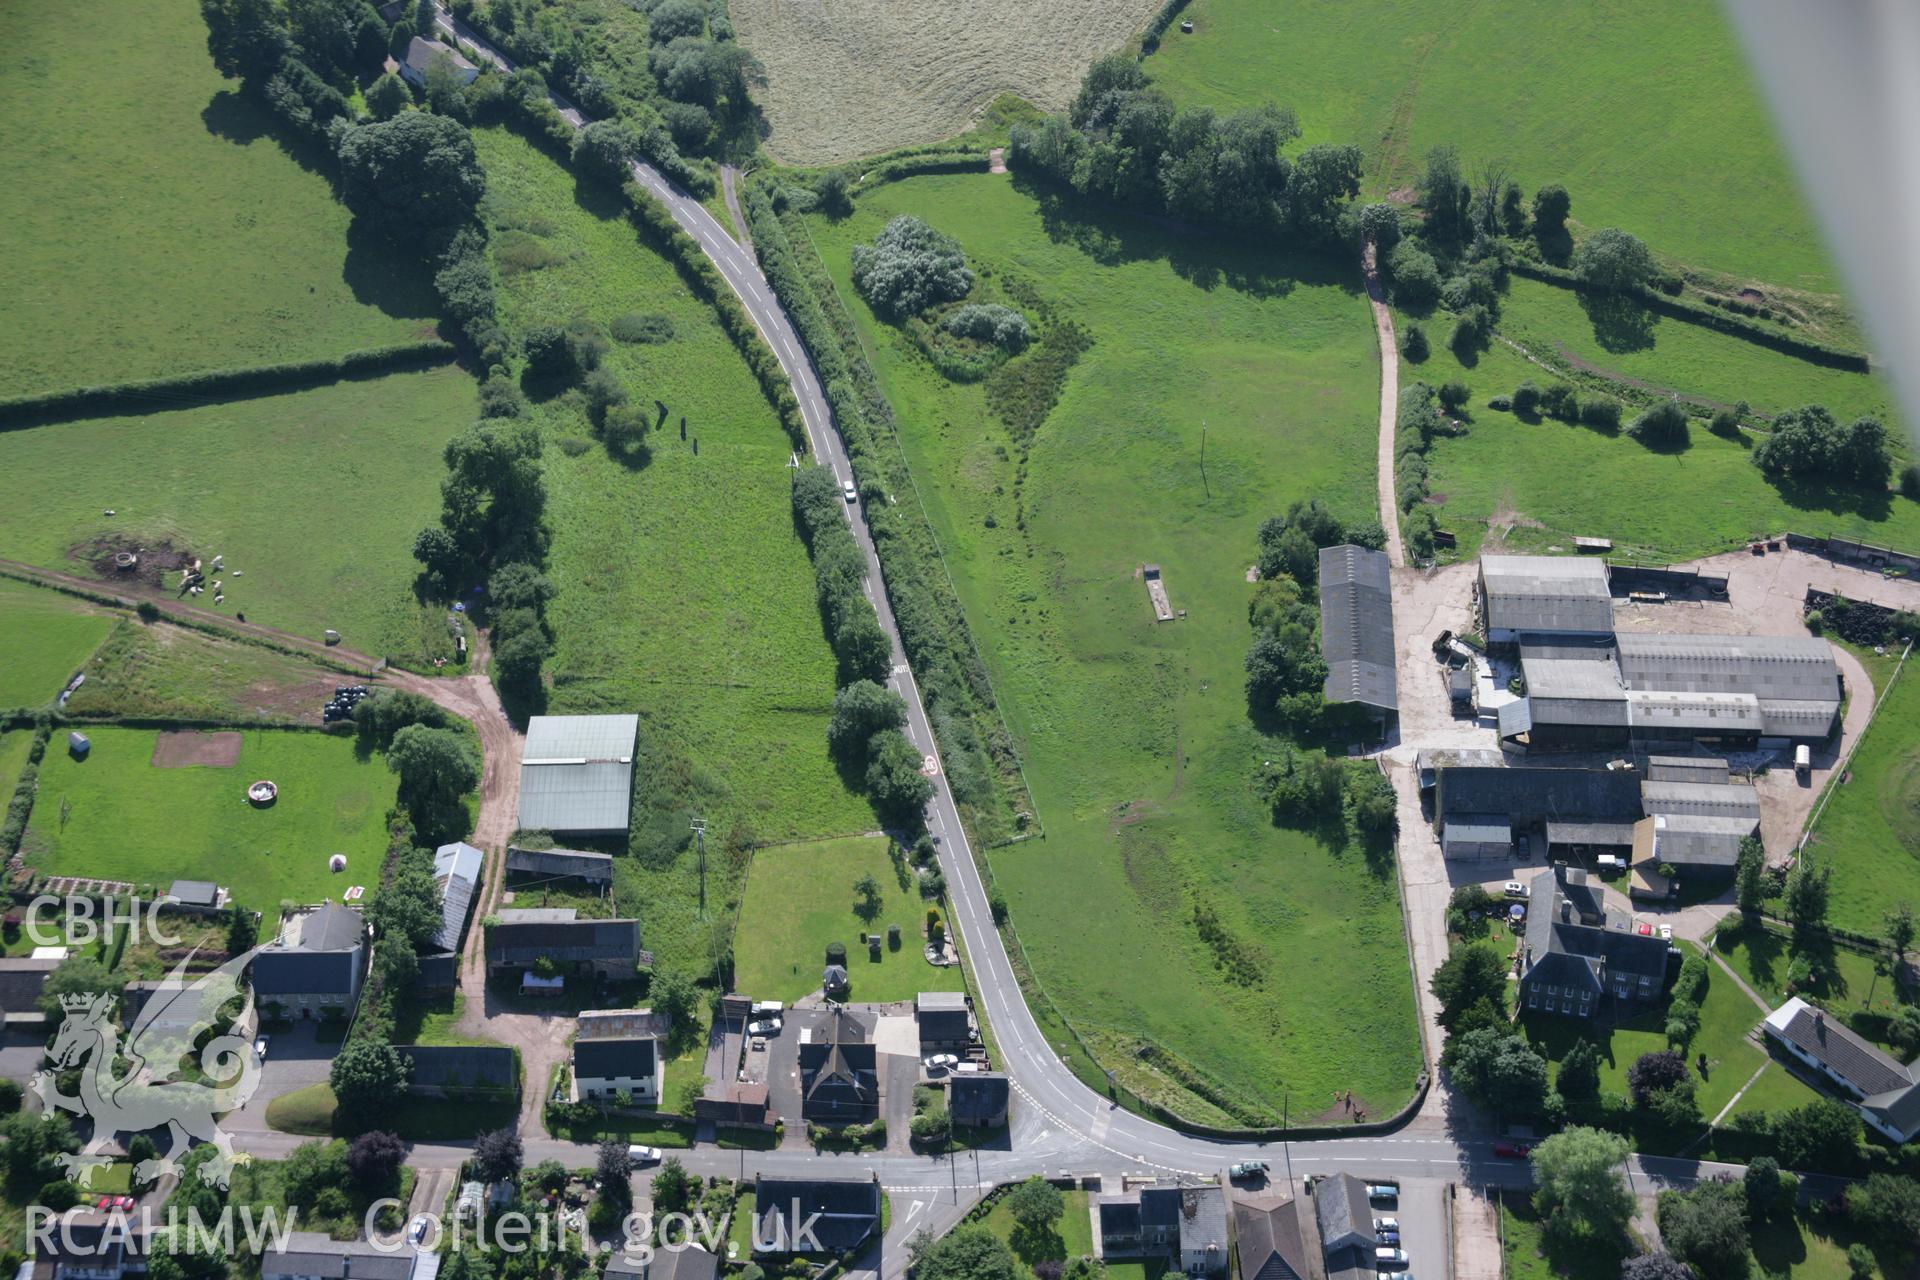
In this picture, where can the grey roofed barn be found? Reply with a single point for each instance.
(1686, 769)
(1788, 668)
(1345, 1213)
(465, 1066)
(314, 1253)
(516, 943)
(1701, 799)
(456, 872)
(576, 864)
(195, 893)
(576, 774)
(1356, 627)
(1525, 795)
(1697, 840)
(1545, 594)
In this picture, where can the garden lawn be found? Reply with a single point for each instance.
(158, 222)
(168, 671)
(1532, 1253)
(1777, 1090)
(45, 637)
(1843, 980)
(1648, 115)
(1071, 1237)
(14, 746)
(1726, 1016)
(313, 496)
(115, 816)
(1134, 735)
(1704, 499)
(1869, 832)
(800, 898)
(684, 593)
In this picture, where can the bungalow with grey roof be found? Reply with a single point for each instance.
(1884, 1091)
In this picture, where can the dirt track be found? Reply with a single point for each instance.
(1389, 411)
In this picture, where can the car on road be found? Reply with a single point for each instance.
(942, 1062)
(1383, 1191)
(260, 1048)
(1386, 1224)
(417, 1229)
(848, 492)
(1247, 1169)
(1514, 889)
(1512, 1150)
(771, 1027)
(644, 1155)
(1390, 1259)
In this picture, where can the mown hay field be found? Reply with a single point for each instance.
(1135, 735)
(314, 496)
(1647, 113)
(848, 78)
(157, 223)
(684, 593)
(44, 639)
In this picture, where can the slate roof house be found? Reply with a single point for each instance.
(519, 939)
(1543, 596)
(605, 1066)
(316, 965)
(742, 1104)
(1186, 1225)
(689, 1263)
(848, 1211)
(978, 1099)
(22, 978)
(1268, 1239)
(1345, 1216)
(314, 1255)
(839, 1076)
(1884, 1092)
(1356, 628)
(422, 53)
(1576, 959)
(576, 775)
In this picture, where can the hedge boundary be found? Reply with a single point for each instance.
(179, 391)
(1709, 318)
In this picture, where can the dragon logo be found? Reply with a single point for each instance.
(163, 1080)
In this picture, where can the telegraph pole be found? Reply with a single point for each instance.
(1203, 461)
(700, 840)
(1286, 1124)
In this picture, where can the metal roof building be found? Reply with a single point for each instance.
(572, 864)
(1789, 685)
(576, 774)
(1356, 627)
(456, 872)
(1545, 595)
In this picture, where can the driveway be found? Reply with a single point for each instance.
(296, 1057)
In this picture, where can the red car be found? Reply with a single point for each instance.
(123, 1203)
(104, 1203)
(1511, 1150)
(1645, 930)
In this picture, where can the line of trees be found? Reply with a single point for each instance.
(865, 733)
(1124, 141)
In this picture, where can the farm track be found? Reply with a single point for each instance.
(1389, 409)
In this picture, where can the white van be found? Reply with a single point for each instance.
(1611, 864)
(768, 1008)
(1802, 762)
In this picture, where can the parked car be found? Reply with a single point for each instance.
(1523, 847)
(848, 492)
(1666, 933)
(1390, 1259)
(1511, 1150)
(417, 1229)
(1246, 1169)
(1383, 1191)
(1645, 930)
(1386, 1224)
(942, 1062)
(1515, 889)
(260, 1048)
(1388, 1238)
(644, 1155)
(1611, 864)
(104, 1203)
(771, 1027)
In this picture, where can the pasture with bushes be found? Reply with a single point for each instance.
(682, 589)
(46, 637)
(313, 495)
(801, 897)
(1134, 735)
(1648, 114)
(190, 232)
(116, 816)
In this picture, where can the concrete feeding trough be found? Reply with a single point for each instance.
(124, 560)
(262, 793)
(1157, 593)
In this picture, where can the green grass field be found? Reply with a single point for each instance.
(800, 897)
(158, 223)
(1071, 1237)
(46, 637)
(14, 746)
(313, 496)
(115, 816)
(1706, 498)
(1844, 981)
(683, 592)
(1134, 736)
(169, 671)
(1647, 114)
(1869, 832)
